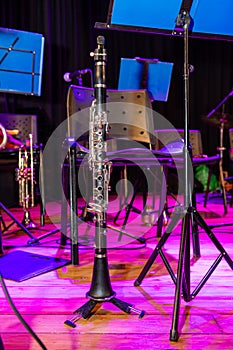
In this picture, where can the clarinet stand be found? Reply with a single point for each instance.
(101, 289)
(189, 213)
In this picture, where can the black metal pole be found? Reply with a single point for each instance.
(184, 21)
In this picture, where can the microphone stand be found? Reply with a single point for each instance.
(101, 289)
(221, 103)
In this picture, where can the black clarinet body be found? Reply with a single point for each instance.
(100, 287)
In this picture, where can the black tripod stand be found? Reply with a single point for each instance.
(188, 213)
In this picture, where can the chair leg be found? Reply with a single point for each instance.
(223, 187)
(229, 180)
(208, 186)
(231, 201)
(130, 206)
(222, 183)
(124, 202)
(162, 202)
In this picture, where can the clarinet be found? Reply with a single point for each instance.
(100, 289)
(100, 168)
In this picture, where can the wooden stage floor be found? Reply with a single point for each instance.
(47, 300)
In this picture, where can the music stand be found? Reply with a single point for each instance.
(150, 74)
(129, 15)
(159, 17)
(21, 62)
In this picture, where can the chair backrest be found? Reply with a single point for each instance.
(26, 124)
(165, 136)
(129, 114)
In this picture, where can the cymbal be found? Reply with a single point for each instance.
(217, 118)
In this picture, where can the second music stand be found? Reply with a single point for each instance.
(21, 63)
(181, 11)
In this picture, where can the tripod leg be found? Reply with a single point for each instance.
(1, 247)
(122, 232)
(195, 233)
(84, 311)
(126, 307)
(195, 238)
(162, 202)
(186, 268)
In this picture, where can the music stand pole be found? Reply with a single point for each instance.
(183, 275)
(190, 213)
(182, 280)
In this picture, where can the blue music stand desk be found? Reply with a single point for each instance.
(21, 61)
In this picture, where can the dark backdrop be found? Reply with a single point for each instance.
(68, 28)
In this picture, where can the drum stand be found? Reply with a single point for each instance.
(188, 214)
